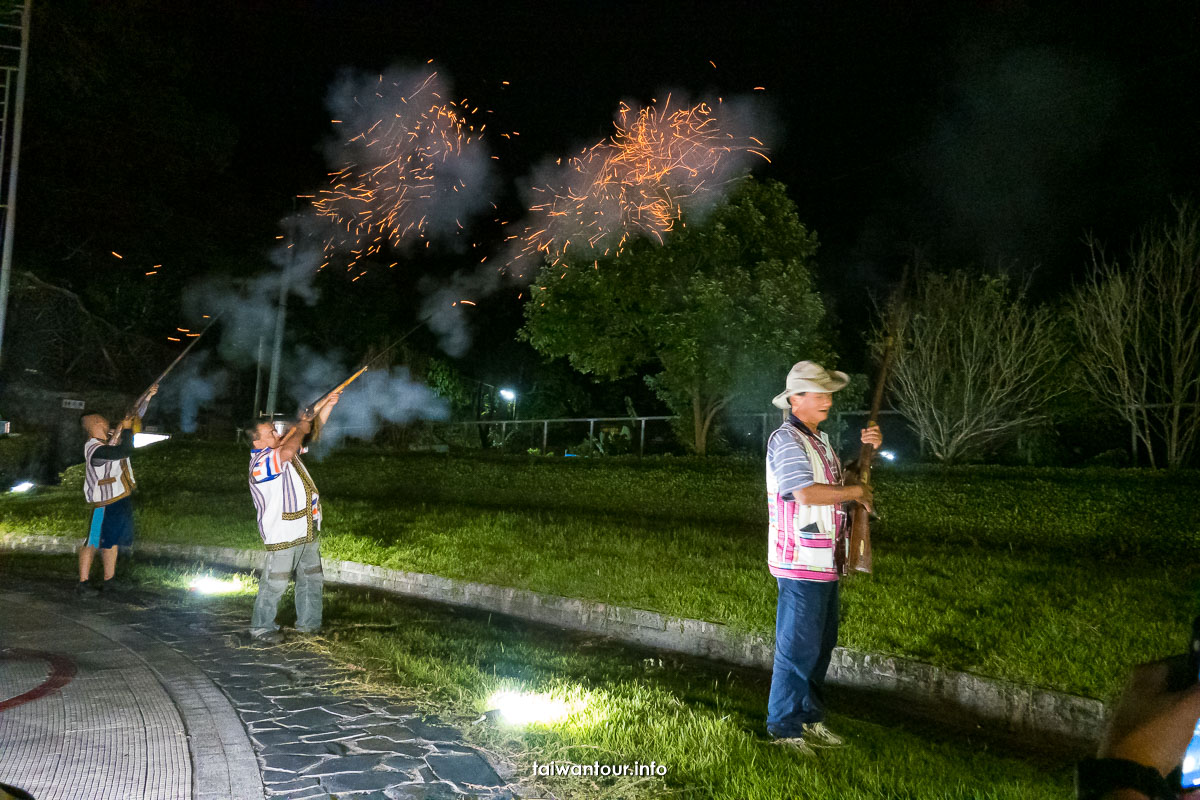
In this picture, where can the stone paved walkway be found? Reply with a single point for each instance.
(172, 703)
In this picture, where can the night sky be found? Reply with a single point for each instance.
(976, 134)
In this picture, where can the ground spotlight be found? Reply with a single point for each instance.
(888, 454)
(508, 394)
(529, 708)
(207, 584)
(23, 486)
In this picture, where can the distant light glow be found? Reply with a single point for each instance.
(888, 454)
(142, 439)
(527, 708)
(508, 394)
(23, 486)
(207, 584)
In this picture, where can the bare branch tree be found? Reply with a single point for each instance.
(975, 365)
(56, 337)
(1139, 331)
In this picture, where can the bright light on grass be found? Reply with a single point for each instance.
(537, 708)
(23, 486)
(207, 584)
(888, 454)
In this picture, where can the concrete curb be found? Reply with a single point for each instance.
(1010, 706)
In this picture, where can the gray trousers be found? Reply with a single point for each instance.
(303, 560)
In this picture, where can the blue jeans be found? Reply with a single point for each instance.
(806, 629)
(304, 560)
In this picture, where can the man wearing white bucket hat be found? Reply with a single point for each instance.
(805, 494)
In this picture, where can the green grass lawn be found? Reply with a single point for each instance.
(626, 705)
(1059, 578)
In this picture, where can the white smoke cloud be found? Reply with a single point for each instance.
(444, 310)
(408, 163)
(378, 397)
(190, 387)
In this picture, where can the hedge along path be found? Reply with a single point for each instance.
(1070, 721)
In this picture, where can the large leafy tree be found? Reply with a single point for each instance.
(727, 299)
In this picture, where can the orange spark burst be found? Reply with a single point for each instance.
(659, 162)
(385, 192)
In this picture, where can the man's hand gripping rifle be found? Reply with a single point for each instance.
(858, 558)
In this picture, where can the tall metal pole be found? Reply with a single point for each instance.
(281, 315)
(10, 215)
(277, 349)
(258, 371)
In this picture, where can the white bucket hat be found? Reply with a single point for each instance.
(808, 376)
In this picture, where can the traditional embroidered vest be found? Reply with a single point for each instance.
(801, 539)
(108, 482)
(285, 497)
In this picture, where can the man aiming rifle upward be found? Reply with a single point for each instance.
(107, 486)
(289, 520)
(108, 481)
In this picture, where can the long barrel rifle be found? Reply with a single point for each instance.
(859, 557)
(311, 409)
(138, 406)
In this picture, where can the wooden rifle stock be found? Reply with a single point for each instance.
(312, 409)
(859, 557)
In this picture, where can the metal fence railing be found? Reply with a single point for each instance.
(616, 435)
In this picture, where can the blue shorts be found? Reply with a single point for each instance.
(111, 525)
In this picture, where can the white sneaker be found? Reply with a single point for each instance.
(796, 743)
(818, 735)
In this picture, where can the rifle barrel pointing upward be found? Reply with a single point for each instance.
(340, 387)
(186, 350)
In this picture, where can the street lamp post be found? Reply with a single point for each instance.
(511, 397)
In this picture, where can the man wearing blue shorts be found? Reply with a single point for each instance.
(107, 486)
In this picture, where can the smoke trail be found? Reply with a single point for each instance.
(379, 397)
(248, 306)
(189, 388)
(445, 311)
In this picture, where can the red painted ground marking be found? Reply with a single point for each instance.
(62, 672)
